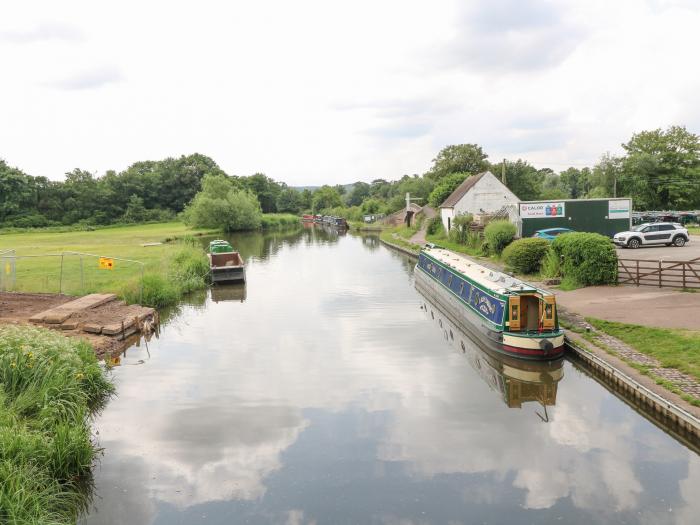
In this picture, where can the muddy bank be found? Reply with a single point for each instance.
(108, 324)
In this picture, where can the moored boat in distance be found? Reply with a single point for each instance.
(225, 264)
(505, 313)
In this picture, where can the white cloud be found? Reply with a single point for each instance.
(312, 92)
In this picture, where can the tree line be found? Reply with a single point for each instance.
(660, 169)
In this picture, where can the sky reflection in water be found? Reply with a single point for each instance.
(329, 396)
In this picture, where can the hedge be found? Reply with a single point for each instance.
(526, 255)
(499, 234)
(587, 258)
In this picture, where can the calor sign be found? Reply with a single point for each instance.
(542, 210)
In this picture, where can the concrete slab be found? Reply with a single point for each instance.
(59, 314)
(647, 306)
(667, 253)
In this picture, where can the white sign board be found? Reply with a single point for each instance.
(542, 210)
(619, 209)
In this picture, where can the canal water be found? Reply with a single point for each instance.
(328, 390)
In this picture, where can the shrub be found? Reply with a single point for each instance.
(460, 228)
(499, 234)
(525, 255)
(434, 225)
(587, 258)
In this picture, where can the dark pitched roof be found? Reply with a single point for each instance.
(461, 190)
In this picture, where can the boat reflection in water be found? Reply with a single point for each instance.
(228, 292)
(518, 381)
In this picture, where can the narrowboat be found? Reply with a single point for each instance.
(308, 218)
(517, 381)
(225, 264)
(506, 314)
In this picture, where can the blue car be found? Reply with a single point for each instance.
(551, 233)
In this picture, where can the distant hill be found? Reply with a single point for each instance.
(348, 187)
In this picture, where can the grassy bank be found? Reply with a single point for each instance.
(399, 237)
(49, 387)
(169, 268)
(678, 349)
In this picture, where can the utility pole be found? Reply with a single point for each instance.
(503, 172)
(409, 213)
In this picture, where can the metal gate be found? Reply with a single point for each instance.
(8, 270)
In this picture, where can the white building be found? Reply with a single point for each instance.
(479, 194)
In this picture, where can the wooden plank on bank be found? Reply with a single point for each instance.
(60, 313)
(134, 314)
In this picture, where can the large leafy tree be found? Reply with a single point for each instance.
(266, 189)
(290, 200)
(662, 169)
(221, 205)
(459, 158)
(359, 192)
(445, 187)
(15, 190)
(325, 197)
(524, 180)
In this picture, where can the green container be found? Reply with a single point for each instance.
(220, 246)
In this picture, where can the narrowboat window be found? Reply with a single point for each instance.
(461, 288)
(514, 313)
(449, 280)
(548, 311)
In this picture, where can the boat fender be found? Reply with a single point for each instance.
(547, 346)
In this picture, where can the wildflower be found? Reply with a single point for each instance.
(79, 375)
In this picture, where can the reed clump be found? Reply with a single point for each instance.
(50, 386)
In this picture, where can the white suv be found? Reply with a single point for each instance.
(668, 233)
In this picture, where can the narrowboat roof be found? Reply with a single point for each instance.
(491, 279)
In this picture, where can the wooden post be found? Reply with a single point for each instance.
(637, 272)
(684, 275)
(659, 273)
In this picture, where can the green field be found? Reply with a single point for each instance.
(81, 273)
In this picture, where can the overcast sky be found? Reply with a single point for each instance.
(313, 92)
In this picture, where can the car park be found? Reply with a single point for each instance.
(653, 234)
(551, 233)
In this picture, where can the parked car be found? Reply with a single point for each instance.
(551, 233)
(668, 233)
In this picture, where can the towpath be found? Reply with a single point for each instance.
(419, 236)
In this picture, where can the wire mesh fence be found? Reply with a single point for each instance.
(71, 273)
(7, 270)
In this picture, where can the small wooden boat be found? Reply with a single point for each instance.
(225, 264)
(506, 314)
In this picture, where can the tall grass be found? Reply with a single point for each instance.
(49, 387)
(184, 272)
(271, 221)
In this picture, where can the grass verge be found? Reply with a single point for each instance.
(397, 240)
(49, 387)
(678, 349)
